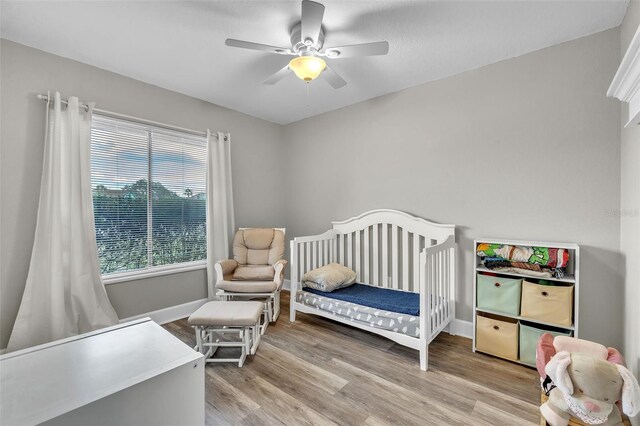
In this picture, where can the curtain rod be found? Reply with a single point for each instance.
(134, 119)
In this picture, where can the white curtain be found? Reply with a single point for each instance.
(220, 220)
(64, 294)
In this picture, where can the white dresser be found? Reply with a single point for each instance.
(135, 373)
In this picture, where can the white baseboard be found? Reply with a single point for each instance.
(463, 328)
(172, 313)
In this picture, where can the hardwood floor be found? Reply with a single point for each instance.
(318, 372)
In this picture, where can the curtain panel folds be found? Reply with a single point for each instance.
(64, 294)
(220, 215)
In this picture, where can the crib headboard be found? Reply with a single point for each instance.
(382, 246)
(393, 241)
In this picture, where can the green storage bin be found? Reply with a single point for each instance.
(499, 294)
(529, 336)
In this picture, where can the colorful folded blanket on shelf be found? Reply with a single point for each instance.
(529, 269)
(543, 256)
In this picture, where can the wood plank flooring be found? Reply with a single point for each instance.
(319, 372)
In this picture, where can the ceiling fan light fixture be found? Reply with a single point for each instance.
(307, 68)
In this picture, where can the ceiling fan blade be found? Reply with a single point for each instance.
(312, 14)
(333, 78)
(256, 46)
(353, 50)
(279, 75)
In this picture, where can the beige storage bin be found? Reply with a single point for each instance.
(551, 304)
(497, 336)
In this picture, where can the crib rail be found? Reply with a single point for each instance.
(308, 253)
(437, 289)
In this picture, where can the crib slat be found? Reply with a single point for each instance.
(384, 279)
(294, 267)
(334, 249)
(350, 250)
(314, 254)
(341, 248)
(439, 283)
(443, 286)
(367, 255)
(445, 302)
(406, 254)
(431, 291)
(357, 262)
(325, 246)
(416, 264)
(376, 245)
(395, 258)
(436, 290)
(451, 303)
(307, 256)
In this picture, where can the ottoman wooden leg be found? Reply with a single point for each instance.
(276, 306)
(256, 335)
(267, 316)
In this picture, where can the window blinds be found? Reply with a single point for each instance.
(149, 195)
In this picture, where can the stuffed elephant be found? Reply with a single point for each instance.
(588, 387)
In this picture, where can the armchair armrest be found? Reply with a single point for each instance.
(224, 268)
(278, 277)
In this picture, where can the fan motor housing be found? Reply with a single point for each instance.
(297, 43)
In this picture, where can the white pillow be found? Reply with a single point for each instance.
(329, 277)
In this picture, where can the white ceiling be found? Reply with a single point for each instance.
(180, 45)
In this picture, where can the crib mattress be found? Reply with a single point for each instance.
(386, 299)
(393, 321)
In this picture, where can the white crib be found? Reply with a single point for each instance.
(390, 249)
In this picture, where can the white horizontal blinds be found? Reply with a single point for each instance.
(178, 203)
(119, 169)
(149, 195)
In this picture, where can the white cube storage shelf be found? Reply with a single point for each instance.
(511, 309)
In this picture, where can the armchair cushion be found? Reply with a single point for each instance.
(227, 266)
(247, 286)
(258, 246)
(254, 273)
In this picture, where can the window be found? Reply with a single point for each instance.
(149, 196)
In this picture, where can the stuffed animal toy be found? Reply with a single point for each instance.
(588, 387)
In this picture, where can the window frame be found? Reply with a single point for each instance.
(160, 270)
(154, 271)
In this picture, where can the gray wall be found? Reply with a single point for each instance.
(257, 148)
(629, 211)
(528, 148)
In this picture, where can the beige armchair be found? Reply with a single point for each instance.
(257, 268)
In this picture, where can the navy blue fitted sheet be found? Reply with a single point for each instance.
(401, 302)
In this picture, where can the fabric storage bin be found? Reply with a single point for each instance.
(499, 294)
(529, 336)
(497, 336)
(552, 304)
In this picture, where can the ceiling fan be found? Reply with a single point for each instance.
(307, 45)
